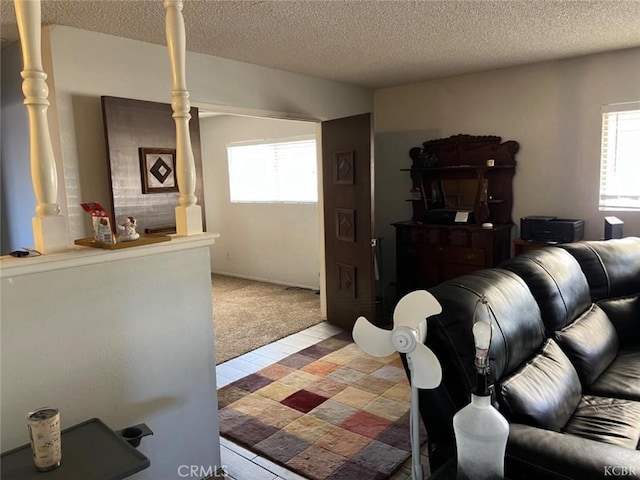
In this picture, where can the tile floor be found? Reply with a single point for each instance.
(242, 464)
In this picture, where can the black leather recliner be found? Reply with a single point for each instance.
(565, 359)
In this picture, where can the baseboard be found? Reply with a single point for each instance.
(267, 280)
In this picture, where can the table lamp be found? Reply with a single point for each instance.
(480, 430)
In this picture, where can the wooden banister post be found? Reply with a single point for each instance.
(188, 213)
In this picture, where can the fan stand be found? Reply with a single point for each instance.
(417, 472)
(408, 336)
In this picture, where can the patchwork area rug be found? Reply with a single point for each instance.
(327, 412)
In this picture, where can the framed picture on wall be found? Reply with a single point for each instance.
(158, 170)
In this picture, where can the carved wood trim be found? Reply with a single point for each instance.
(472, 150)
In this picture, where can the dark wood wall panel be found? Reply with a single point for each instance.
(132, 124)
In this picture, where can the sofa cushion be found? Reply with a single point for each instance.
(544, 392)
(608, 420)
(556, 282)
(591, 343)
(621, 379)
(612, 268)
(624, 313)
(536, 454)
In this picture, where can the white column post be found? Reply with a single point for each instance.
(188, 214)
(49, 227)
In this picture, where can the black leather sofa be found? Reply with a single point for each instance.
(565, 358)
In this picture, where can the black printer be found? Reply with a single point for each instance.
(551, 229)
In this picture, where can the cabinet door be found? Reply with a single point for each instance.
(418, 258)
(425, 235)
(483, 239)
(407, 269)
(495, 243)
(430, 258)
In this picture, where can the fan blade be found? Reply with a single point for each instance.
(373, 340)
(426, 371)
(414, 307)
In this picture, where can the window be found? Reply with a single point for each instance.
(275, 172)
(620, 160)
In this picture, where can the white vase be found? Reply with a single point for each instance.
(481, 438)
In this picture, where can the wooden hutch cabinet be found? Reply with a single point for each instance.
(460, 185)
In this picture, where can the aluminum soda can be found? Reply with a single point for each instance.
(44, 432)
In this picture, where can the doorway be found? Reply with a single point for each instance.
(266, 246)
(276, 242)
(350, 136)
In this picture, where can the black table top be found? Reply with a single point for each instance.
(90, 451)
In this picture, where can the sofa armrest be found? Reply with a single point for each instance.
(534, 453)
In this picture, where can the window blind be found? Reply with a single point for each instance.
(620, 157)
(273, 172)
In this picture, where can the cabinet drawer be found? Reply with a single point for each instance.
(431, 253)
(465, 256)
(426, 236)
(459, 237)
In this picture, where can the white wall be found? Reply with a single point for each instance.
(289, 233)
(125, 336)
(15, 172)
(87, 65)
(552, 109)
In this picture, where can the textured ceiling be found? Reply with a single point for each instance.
(369, 43)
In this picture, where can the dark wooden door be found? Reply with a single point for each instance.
(347, 168)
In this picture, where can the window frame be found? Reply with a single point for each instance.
(609, 160)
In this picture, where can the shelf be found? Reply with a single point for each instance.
(466, 226)
(458, 168)
(81, 256)
(143, 240)
(462, 176)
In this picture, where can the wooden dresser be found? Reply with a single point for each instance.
(462, 173)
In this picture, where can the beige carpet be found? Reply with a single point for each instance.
(249, 314)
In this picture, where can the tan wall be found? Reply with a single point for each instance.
(552, 109)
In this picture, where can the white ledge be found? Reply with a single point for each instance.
(80, 256)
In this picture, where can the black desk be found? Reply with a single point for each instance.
(90, 451)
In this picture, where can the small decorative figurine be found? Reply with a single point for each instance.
(128, 230)
(423, 157)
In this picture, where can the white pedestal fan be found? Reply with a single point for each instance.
(408, 334)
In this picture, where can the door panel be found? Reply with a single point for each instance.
(347, 166)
